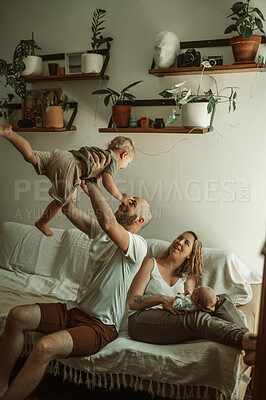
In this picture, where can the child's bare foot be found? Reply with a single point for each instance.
(44, 228)
(5, 129)
(249, 357)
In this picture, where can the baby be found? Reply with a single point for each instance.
(65, 169)
(202, 298)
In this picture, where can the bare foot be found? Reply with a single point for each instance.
(44, 228)
(249, 357)
(5, 129)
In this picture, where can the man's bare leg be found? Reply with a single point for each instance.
(55, 345)
(49, 213)
(19, 319)
(21, 144)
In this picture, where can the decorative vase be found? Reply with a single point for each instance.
(53, 118)
(133, 122)
(196, 115)
(245, 50)
(33, 66)
(91, 62)
(121, 116)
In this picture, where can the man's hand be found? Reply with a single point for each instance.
(98, 165)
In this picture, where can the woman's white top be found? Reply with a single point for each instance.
(157, 286)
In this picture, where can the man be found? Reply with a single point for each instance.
(84, 327)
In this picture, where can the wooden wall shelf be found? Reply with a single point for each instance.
(176, 130)
(70, 77)
(217, 69)
(64, 129)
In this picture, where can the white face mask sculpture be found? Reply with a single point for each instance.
(166, 49)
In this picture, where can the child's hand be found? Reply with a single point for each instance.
(125, 198)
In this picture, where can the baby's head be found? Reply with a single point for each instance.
(124, 150)
(205, 298)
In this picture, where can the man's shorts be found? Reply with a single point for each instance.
(64, 171)
(89, 334)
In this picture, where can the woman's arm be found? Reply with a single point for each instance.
(138, 300)
(189, 284)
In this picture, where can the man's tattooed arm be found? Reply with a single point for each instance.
(141, 299)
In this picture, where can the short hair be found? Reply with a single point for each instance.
(206, 295)
(145, 211)
(147, 215)
(122, 144)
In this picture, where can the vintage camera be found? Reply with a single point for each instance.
(191, 58)
(214, 60)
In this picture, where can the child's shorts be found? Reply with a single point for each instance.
(64, 171)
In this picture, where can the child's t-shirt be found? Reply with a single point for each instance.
(84, 154)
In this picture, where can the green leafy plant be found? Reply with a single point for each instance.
(187, 96)
(97, 39)
(50, 98)
(115, 97)
(11, 71)
(6, 107)
(246, 19)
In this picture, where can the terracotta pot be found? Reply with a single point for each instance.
(121, 116)
(245, 50)
(53, 118)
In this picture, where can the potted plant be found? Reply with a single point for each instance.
(52, 104)
(246, 20)
(121, 113)
(12, 72)
(26, 51)
(197, 108)
(93, 60)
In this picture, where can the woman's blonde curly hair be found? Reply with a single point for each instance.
(193, 266)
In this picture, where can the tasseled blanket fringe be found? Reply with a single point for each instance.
(116, 381)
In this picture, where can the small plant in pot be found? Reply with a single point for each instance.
(93, 60)
(13, 72)
(53, 103)
(246, 20)
(197, 109)
(121, 113)
(26, 51)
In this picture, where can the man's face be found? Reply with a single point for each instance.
(128, 212)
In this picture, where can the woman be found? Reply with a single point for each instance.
(152, 318)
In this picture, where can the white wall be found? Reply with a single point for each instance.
(192, 182)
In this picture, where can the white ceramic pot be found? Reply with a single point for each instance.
(91, 62)
(33, 66)
(195, 115)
